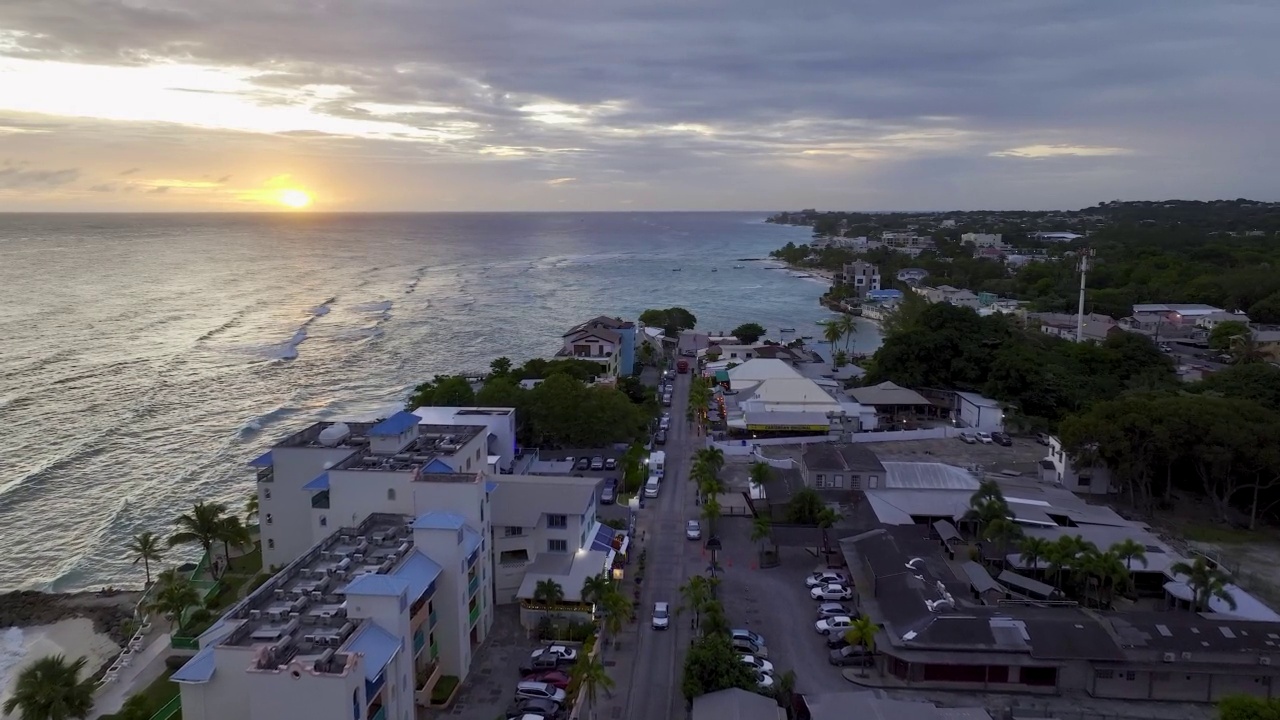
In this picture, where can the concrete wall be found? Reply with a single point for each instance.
(894, 435)
(295, 691)
(285, 516)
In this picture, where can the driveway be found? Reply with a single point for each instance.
(776, 604)
(495, 670)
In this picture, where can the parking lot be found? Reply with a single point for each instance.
(776, 604)
(1023, 456)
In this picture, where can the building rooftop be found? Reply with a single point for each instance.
(522, 500)
(735, 704)
(395, 425)
(887, 393)
(1179, 308)
(356, 437)
(761, 369)
(378, 647)
(429, 452)
(927, 476)
(570, 570)
(1190, 632)
(841, 456)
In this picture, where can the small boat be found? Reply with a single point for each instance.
(738, 267)
(714, 270)
(806, 337)
(787, 330)
(675, 269)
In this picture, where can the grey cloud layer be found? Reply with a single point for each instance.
(738, 84)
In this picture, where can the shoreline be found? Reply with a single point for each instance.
(73, 638)
(109, 613)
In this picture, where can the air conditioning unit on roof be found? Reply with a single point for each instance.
(1170, 657)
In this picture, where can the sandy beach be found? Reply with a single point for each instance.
(73, 638)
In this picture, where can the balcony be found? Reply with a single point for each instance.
(419, 641)
(473, 585)
(431, 619)
(425, 680)
(435, 650)
(381, 714)
(475, 615)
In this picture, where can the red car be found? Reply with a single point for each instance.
(551, 677)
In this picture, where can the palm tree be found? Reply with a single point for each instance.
(713, 620)
(232, 532)
(145, 546)
(50, 689)
(761, 528)
(616, 612)
(711, 486)
(832, 333)
(848, 328)
(761, 474)
(1205, 581)
(826, 519)
(547, 593)
(711, 513)
(1110, 572)
(713, 457)
(595, 588)
(1002, 531)
(862, 633)
(174, 598)
(203, 526)
(587, 676)
(696, 592)
(251, 509)
(1033, 550)
(785, 689)
(1130, 550)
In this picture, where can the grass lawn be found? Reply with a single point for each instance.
(158, 694)
(248, 564)
(1223, 535)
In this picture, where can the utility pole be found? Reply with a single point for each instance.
(1085, 254)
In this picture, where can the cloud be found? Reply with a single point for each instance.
(16, 177)
(1049, 151)
(103, 188)
(130, 171)
(159, 190)
(561, 181)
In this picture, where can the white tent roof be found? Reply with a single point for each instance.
(761, 369)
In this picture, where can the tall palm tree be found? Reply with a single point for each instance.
(1129, 550)
(711, 513)
(616, 612)
(1032, 550)
(827, 518)
(232, 532)
(862, 633)
(713, 620)
(588, 676)
(711, 485)
(831, 334)
(848, 328)
(761, 474)
(202, 526)
(251, 508)
(761, 528)
(145, 546)
(696, 592)
(50, 689)
(713, 457)
(1205, 581)
(173, 600)
(595, 588)
(547, 593)
(1110, 572)
(1002, 531)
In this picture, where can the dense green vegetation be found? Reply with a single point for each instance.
(564, 410)
(1246, 707)
(672, 320)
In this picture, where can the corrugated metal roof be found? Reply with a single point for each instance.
(418, 571)
(263, 460)
(320, 483)
(927, 476)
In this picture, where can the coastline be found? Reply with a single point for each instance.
(72, 638)
(108, 613)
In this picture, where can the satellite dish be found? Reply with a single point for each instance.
(333, 435)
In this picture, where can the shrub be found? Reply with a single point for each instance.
(443, 689)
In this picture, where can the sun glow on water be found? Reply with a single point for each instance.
(296, 199)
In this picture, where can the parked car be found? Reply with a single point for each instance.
(825, 577)
(967, 438)
(984, 438)
(611, 464)
(1042, 438)
(666, 400)
(745, 646)
(840, 623)
(693, 530)
(1002, 439)
(758, 664)
(831, 592)
(539, 691)
(833, 609)
(597, 463)
(765, 682)
(665, 423)
(660, 438)
(541, 662)
(661, 616)
(608, 494)
(741, 633)
(837, 641)
(533, 708)
(565, 654)
(583, 464)
(854, 655)
(558, 678)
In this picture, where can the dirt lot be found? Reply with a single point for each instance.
(1021, 456)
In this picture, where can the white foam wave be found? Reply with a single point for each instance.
(750, 287)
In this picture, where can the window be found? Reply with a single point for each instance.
(820, 480)
(477, 454)
(1104, 674)
(873, 481)
(269, 520)
(271, 544)
(266, 493)
(514, 531)
(1131, 675)
(839, 481)
(324, 521)
(391, 493)
(557, 521)
(557, 546)
(513, 557)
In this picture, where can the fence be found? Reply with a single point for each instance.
(897, 435)
(171, 708)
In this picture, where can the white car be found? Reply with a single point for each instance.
(539, 691)
(985, 438)
(566, 654)
(693, 530)
(831, 592)
(759, 664)
(828, 577)
(967, 438)
(839, 623)
(832, 609)
(764, 681)
(661, 616)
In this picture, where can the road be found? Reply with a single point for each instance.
(658, 665)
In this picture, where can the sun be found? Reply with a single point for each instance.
(296, 199)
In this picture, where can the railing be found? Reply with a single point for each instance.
(419, 639)
(380, 715)
(473, 585)
(184, 643)
(475, 613)
(431, 619)
(171, 708)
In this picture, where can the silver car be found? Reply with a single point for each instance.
(693, 530)
(832, 609)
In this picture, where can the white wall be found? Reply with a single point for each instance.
(895, 435)
(298, 692)
(1098, 482)
(285, 517)
(227, 692)
(978, 416)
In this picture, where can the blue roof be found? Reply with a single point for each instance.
(198, 669)
(419, 571)
(381, 585)
(263, 460)
(439, 520)
(438, 466)
(470, 541)
(378, 647)
(395, 425)
(603, 539)
(320, 483)
(490, 486)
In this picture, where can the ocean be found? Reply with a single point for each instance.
(145, 358)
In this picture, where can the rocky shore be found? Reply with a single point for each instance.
(110, 611)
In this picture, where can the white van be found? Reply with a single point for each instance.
(651, 488)
(658, 463)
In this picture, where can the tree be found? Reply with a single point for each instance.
(832, 332)
(233, 532)
(51, 689)
(713, 457)
(863, 634)
(696, 592)
(588, 676)
(174, 598)
(595, 588)
(202, 526)
(616, 612)
(1205, 582)
(711, 664)
(443, 391)
(1266, 310)
(1032, 550)
(827, 518)
(749, 333)
(672, 320)
(500, 366)
(711, 513)
(251, 507)
(1002, 531)
(804, 507)
(848, 328)
(761, 529)
(760, 474)
(548, 593)
(1224, 333)
(1259, 382)
(1129, 550)
(1248, 707)
(145, 546)
(562, 411)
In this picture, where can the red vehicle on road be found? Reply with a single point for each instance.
(682, 366)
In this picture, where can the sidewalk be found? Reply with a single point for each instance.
(145, 668)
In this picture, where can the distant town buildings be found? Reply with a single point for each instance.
(983, 240)
(948, 294)
(860, 277)
(912, 276)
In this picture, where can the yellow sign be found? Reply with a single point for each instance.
(789, 428)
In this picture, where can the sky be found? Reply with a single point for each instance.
(460, 105)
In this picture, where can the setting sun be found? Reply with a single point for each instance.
(296, 199)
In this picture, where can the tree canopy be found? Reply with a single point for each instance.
(749, 333)
(672, 320)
